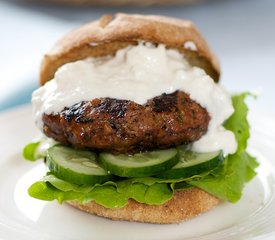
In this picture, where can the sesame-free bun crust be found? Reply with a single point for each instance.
(111, 33)
(184, 205)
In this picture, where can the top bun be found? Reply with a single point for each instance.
(111, 33)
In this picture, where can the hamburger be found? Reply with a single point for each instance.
(135, 124)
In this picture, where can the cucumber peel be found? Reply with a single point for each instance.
(140, 164)
(192, 164)
(76, 166)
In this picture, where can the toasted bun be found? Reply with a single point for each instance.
(184, 205)
(110, 33)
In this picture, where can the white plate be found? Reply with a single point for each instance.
(22, 217)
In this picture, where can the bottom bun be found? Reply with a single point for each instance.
(184, 205)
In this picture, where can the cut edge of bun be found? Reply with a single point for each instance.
(111, 33)
(184, 205)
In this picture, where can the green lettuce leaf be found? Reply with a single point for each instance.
(109, 194)
(149, 190)
(30, 151)
(37, 149)
(227, 181)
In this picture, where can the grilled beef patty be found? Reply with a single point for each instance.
(122, 126)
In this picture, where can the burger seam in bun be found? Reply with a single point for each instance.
(135, 125)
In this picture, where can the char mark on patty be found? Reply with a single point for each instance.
(122, 126)
(164, 103)
(117, 108)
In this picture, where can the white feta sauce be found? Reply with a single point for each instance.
(139, 73)
(190, 45)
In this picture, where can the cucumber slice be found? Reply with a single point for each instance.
(76, 166)
(193, 163)
(141, 164)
